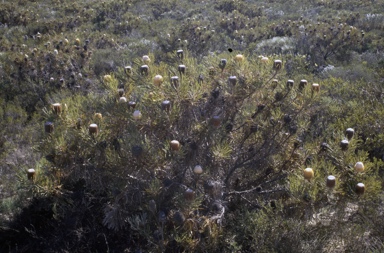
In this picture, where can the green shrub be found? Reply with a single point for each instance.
(251, 127)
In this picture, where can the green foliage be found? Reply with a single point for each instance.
(127, 187)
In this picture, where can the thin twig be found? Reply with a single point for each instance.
(255, 189)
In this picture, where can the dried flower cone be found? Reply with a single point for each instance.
(290, 84)
(189, 195)
(123, 100)
(360, 188)
(308, 174)
(222, 64)
(146, 59)
(216, 121)
(158, 80)
(213, 188)
(211, 71)
(178, 218)
(331, 181)
(175, 145)
(344, 145)
(166, 105)
(180, 54)
(128, 70)
(132, 104)
(107, 78)
(137, 115)
(198, 170)
(48, 126)
(350, 132)
(359, 167)
(274, 83)
(144, 70)
(98, 116)
(120, 92)
(277, 64)
(239, 58)
(93, 129)
(316, 87)
(303, 83)
(182, 69)
(31, 174)
(57, 109)
(175, 81)
(232, 80)
(264, 60)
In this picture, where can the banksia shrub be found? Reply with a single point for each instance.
(169, 145)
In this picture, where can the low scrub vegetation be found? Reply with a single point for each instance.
(187, 126)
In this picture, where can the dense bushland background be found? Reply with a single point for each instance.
(234, 113)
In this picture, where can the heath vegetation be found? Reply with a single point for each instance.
(191, 126)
